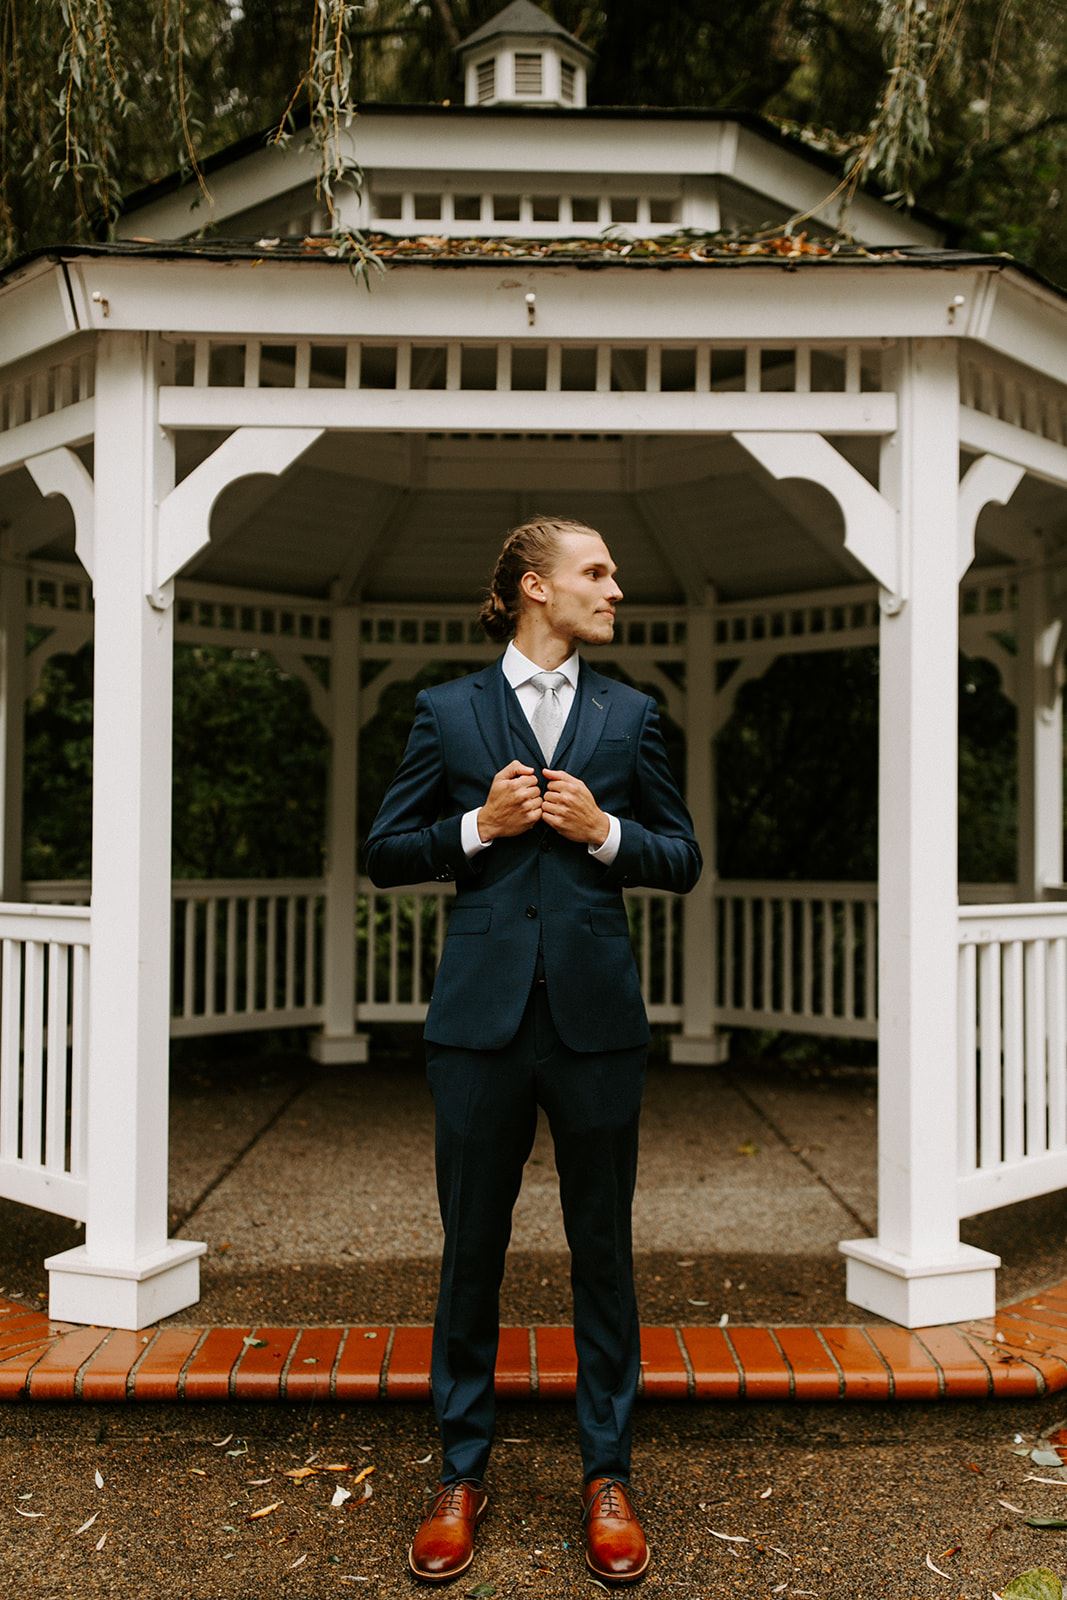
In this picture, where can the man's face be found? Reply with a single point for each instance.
(580, 593)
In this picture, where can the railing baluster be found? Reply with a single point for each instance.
(989, 1056)
(230, 1004)
(32, 1059)
(10, 1035)
(250, 952)
(211, 921)
(967, 1075)
(1013, 1049)
(270, 998)
(189, 957)
(1056, 1003)
(79, 1061)
(827, 1003)
(55, 1129)
(290, 952)
(1036, 1087)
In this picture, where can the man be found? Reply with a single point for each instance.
(543, 789)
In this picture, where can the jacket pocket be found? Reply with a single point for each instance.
(469, 919)
(609, 920)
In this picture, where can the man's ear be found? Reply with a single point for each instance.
(532, 587)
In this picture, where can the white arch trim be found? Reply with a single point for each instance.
(871, 524)
(60, 471)
(184, 525)
(988, 479)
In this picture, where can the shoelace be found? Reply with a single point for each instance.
(612, 1504)
(448, 1501)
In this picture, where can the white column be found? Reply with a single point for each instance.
(1040, 741)
(12, 725)
(128, 1273)
(339, 1042)
(916, 1271)
(699, 1041)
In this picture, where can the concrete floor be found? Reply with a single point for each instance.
(313, 1188)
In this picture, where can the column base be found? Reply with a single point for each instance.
(339, 1049)
(692, 1050)
(124, 1294)
(920, 1294)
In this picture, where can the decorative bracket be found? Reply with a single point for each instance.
(988, 479)
(872, 528)
(184, 516)
(62, 472)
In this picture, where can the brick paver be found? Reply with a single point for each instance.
(1019, 1353)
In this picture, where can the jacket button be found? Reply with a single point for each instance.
(531, 911)
(546, 842)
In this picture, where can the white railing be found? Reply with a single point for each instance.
(245, 954)
(400, 934)
(1012, 1053)
(248, 953)
(800, 956)
(44, 1033)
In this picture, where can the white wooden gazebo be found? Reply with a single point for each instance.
(210, 433)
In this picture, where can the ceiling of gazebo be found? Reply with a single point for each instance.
(395, 517)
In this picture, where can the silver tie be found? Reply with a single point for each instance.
(547, 719)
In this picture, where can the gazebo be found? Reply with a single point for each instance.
(210, 433)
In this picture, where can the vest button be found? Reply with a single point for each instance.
(531, 911)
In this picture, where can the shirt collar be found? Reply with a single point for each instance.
(519, 669)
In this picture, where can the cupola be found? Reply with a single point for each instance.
(523, 57)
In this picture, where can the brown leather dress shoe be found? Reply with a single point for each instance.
(615, 1546)
(443, 1546)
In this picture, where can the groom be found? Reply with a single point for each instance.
(543, 789)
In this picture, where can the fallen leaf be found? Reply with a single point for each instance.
(1039, 1583)
(340, 1495)
(299, 1562)
(731, 1538)
(422, 1460)
(933, 1568)
(1046, 1458)
(28, 1513)
(254, 1344)
(698, 1302)
(366, 1472)
(217, 1444)
(97, 1479)
(765, 1494)
(243, 1451)
(482, 1592)
(1059, 1483)
(337, 1466)
(257, 1483)
(724, 1319)
(264, 1511)
(199, 1471)
(1046, 1522)
(299, 1473)
(100, 1543)
(1019, 1512)
(85, 1525)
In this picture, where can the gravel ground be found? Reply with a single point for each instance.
(832, 1502)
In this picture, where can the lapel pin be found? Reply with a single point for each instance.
(596, 702)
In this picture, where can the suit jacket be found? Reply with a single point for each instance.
(536, 889)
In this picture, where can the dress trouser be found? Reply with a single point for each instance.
(486, 1116)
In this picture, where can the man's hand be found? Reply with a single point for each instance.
(512, 805)
(571, 810)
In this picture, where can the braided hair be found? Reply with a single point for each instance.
(531, 547)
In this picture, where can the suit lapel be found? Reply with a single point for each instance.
(588, 718)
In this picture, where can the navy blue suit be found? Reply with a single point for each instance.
(536, 1002)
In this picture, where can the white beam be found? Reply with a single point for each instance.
(700, 1040)
(1040, 737)
(487, 411)
(128, 1274)
(871, 533)
(916, 1271)
(184, 516)
(73, 425)
(62, 472)
(989, 436)
(339, 1042)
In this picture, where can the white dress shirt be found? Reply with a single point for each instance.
(519, 670)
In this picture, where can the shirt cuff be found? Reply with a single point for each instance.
(607, 851)
(470, 838)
